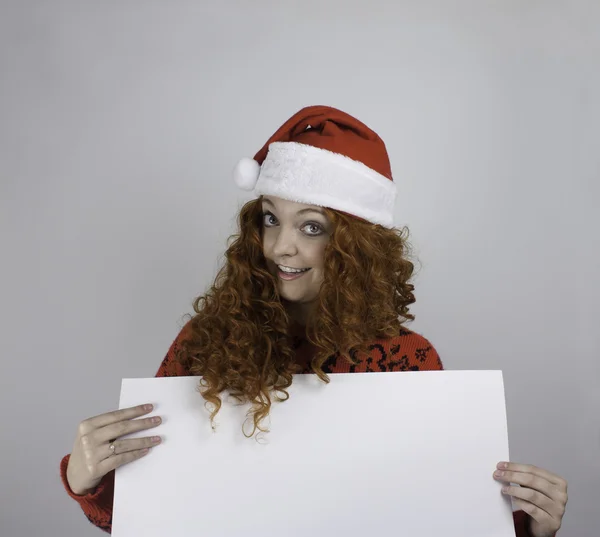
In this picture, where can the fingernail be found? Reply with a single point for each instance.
(498, 474)
(156, 419)
(502, 465)
(155, 439)
(504, 490)
(148, 407)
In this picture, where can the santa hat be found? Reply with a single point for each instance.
(323, 156)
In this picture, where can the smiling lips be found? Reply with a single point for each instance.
(290, 273)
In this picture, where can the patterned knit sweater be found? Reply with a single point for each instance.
(406, 352)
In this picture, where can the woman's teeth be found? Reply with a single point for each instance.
(289, 270)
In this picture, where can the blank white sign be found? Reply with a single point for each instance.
(373, 454)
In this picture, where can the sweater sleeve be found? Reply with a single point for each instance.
(97, 506)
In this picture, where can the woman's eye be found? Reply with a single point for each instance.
(269, 220)
(313, 229)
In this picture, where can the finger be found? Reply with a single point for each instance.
(539, 515)
(526, 480)
(124, 446)
(108, 418)
(530, 469)
(532, 481)
(533, 497)
(121, 428)
(114, 462)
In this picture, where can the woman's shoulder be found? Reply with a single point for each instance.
(406, 337)
(172, 364)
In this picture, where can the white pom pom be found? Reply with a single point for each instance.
(245, 174)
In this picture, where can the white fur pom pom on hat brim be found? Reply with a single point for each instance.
(245, 173)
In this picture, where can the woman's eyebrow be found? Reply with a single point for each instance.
(309, 210)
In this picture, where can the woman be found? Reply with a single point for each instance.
(317, 281)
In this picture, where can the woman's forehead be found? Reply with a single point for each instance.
(280, 203)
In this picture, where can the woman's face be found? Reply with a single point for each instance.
(294, 240)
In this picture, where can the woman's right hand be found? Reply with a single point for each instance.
(92, 457)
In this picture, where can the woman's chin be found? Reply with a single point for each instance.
(296, 298)
(292, 298)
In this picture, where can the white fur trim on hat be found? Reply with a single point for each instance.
(245, 173)
(307, 174)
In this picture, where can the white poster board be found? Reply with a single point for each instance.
(375, 454)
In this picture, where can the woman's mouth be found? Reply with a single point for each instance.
(290, 273)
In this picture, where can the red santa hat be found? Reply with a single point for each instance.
(323, 156)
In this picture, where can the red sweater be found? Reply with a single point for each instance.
(406, 352)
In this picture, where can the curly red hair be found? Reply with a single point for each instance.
(239, 339)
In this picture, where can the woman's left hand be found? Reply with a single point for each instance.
(542, 495)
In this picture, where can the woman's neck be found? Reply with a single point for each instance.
(299, 313)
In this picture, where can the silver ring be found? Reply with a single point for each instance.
(112, 448)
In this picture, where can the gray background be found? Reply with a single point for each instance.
(120, 123)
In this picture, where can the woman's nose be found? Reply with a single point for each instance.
(285, 244)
